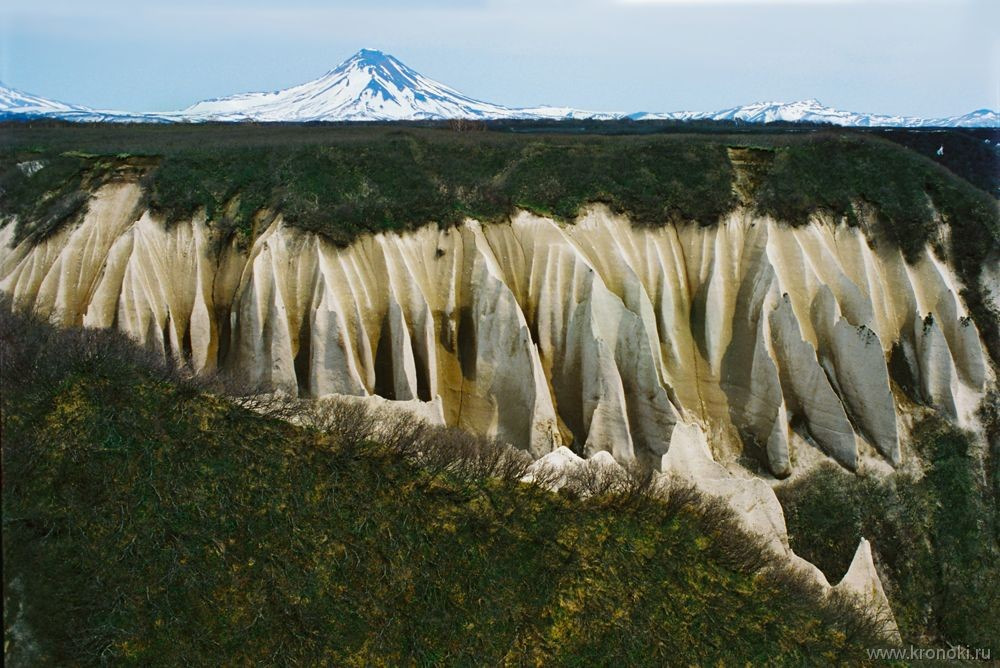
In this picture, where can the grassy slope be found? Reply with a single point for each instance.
(149, 522)
(345, 184)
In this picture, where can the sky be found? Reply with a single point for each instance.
(913, 57)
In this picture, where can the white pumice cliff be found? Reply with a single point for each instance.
(777, 341)
(596, 334)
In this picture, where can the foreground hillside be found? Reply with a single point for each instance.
(146, 521)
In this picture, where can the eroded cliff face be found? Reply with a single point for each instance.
(786, 343)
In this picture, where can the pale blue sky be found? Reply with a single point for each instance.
(919, 57)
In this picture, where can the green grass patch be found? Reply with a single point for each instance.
(400, 182)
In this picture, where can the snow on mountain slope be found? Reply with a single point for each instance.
(802, 111)
(813, 111)
(18, 104)
(562, 113)
(980, 118)
(15, 102)
(374, 86)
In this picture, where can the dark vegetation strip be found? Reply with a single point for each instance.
(346, 180)
(973, 154)
(148, 522)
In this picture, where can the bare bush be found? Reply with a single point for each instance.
(513, 467)
(271, 405)
(860, 618)
(543, 476)
(639, 484)
(447, 451)
(240, 392)
(862, 621)
(438, 450)
(351, 423)
(592, 478)
(614, 485)
(401, 434)
(458, 453)
(678, 496)
(494, 459)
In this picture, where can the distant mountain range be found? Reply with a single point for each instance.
(813, 111)
(374, 86)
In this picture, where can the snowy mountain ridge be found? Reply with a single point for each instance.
(813, 111)
(16, 104)
(375, 86)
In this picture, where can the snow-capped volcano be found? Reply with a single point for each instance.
(374, 86)
(368, 86)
